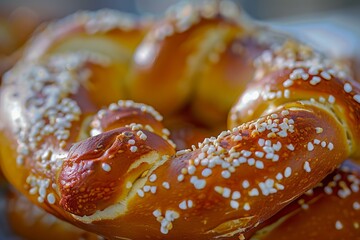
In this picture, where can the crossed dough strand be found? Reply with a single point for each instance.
(115, 172)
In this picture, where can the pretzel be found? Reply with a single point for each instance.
(31, 222)
(329, 211)
(115, 172)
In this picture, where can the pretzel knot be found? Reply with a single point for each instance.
(116, 171)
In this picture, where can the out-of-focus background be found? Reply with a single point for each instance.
(260, 9)
(331, 25)
(336, 21)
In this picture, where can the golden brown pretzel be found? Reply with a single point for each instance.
(31, 222)
(116, 172)
(329, 211)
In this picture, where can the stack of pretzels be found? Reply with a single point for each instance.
(108, 122)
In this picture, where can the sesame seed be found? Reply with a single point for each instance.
(323, 144)
(304, 206)
(152, 177)
(246, 206)
(271, 135)
(246, 153)
(245, 184)
(357, 98)
(279, 186)
(251, 161)
(225, 174)
(156, 213)
(268, 143)
(279, 176)
(182, 152)
(183, 205)
(133, 148)
(313, 70)
(219, 189)
(235, 195)
(190, 203)
(315, 80)
(259, 154)
(106, 167)
(307, 167)
(51, 198)
(166, 185)
(206, 172)
(356, 225)
(354, 187)
(287, 172)
(330, 146)
(269, 156)
(153, 189)
(242, 160)
(287, 93)
(113, 107)
(325, 75)
(131, 142)
(234, 204)
(285, 112)
(331, 99)
(237, 138)
(356, 205)
(288, 83)
(259, 164)
(254, 192)
(304, 76)
(146, 188)
(180, 178)
(20, 160)
(226, 192)
(143, 136)
(140, 193)
(191, 169)
(310, 146)
(290, 147)
(129, 185)
(277, 146)
(33, 190)
(309, 192)
(344, 193)
(337, 177)
(347, 88)
(165, 131)
(282, 133)
(319, 130)
(199, 184)
(338, 225)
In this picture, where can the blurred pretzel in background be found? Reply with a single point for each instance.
(15, 30)
(31, 222)
(76, 146)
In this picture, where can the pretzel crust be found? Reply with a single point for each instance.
(31, 222)
(330, 210)
(103, 168)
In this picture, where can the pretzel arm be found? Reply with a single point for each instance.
(113, 171)
(232, 175)
(330, 210)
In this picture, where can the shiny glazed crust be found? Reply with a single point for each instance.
(114, 170)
